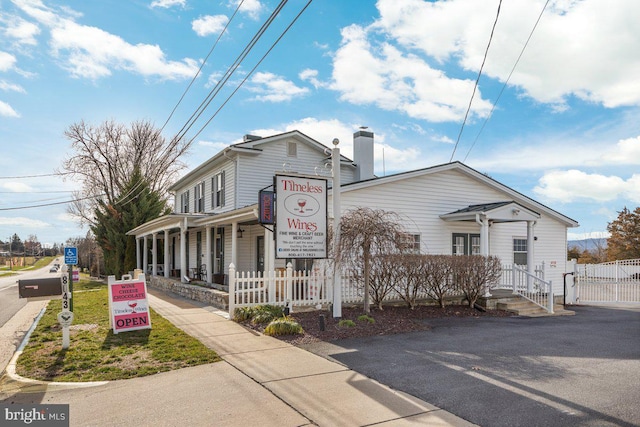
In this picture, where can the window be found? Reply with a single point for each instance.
(184, 202)
(198, 197)
(217, 190)
(465, 244)
(292, 149)
(520, 251)
(412, 244)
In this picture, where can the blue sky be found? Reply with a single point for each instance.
(565, 130)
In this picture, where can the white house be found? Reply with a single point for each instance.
(448, 209)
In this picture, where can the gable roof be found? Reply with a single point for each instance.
(516, 196)
(253, 147)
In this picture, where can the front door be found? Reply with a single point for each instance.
(260, 253)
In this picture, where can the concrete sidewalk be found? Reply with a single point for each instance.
(261, 381)
(320, 391)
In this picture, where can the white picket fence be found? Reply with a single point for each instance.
(609, 282)
(314, 288)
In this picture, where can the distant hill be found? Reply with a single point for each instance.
(588, 244)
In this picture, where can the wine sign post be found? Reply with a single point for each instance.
(128, 304)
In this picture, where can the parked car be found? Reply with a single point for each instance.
(53, 269)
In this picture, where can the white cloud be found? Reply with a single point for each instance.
(311, 76)
(586, 48)
(22, 222)
(7, 111)
(7, 61)
(166, 4)
(368, 72)
(6, 86)
(626, 151)
(24, 32)
(90, 52)
(207, 25)
(572, 185)
(16, 186)
(273, 88)
(251, 7)
(215, 146)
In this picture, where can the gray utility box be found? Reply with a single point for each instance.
(46, 288)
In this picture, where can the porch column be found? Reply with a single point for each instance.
(531, 268)
(145, 254)
(207, 250)
(166, 253)
(234, 244)
(269, 260)
(484, 235)
(138, 260)
(183, 251)
(154, 255)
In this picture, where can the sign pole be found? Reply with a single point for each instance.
(337, 270)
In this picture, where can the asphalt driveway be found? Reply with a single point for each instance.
(581, 370)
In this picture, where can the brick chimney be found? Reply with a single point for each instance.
(363, 154)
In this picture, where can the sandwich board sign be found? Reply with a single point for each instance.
(128, 304)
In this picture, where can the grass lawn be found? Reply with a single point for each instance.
(96, 353)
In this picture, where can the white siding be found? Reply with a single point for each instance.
(421, 200)
(257, 171)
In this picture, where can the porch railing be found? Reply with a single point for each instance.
(311, 288)
(533, 288)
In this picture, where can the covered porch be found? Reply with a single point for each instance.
(488, 214)
(198, 247)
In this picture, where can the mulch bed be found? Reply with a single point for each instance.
(391, 320)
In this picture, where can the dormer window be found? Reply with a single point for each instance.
(292, 149)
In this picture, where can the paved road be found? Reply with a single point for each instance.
(581, 370)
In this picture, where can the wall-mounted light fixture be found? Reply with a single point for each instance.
(240, 231)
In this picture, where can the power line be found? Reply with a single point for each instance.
(35, 176)
(252, 70)
(506, 81)
(49, 204)
(475, 86)
(202, 65)
(230, 71)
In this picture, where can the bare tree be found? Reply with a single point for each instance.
(365, 233)
(106, 156)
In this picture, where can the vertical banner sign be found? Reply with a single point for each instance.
(128, 304)
(301, 217)
(265, 203)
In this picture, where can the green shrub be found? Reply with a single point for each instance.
(242, 314)
(259, 315)
(366, 318)
(283, 326)
(346, 323)
(266, 313)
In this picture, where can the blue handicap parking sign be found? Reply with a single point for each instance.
(71, 256)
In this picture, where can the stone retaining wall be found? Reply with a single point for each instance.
(214, 297)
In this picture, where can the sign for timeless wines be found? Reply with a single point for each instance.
(128, 304)
(301, 217)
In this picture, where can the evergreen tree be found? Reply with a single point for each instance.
(624, 242)
(136, 205)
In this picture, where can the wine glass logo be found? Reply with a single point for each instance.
(132, 304)
(302, 203)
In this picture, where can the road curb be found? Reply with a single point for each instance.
(11, 367)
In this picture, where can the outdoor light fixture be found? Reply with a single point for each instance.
(240, 231)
